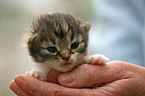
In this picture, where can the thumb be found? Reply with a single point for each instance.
(88, 75)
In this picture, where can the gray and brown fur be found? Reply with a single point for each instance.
(54, 26)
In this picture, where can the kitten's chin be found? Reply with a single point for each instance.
(65, 68)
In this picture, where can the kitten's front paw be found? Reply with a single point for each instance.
(36, 74)
(97, 59)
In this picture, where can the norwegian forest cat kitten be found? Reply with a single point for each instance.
(59, 41)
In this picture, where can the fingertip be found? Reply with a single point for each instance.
(17, 90)
(66, 79)
(53, 76)
(20, 75)
(11, 84)
(14, 87)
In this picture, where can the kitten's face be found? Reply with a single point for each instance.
(58, 40)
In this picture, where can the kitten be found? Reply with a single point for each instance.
(59, 41)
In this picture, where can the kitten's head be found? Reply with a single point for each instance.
(59, 40)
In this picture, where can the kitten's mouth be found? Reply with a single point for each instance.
(66, 63)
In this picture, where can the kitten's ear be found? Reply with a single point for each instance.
(86, 27)
(32, 40)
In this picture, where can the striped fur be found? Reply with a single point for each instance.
(57, 29)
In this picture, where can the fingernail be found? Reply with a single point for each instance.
(67, 78)
(20, 81)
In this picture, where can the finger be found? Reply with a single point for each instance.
(53, 76)
(83, 92)
(36, 87)
(88, 75)
(17, 90)
(41, 88)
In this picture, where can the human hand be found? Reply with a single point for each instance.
(118, 79)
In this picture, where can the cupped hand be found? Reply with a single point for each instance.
(116, 79)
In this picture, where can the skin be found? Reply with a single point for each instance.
(116, 79)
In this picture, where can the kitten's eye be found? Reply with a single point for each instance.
(52, 49)
(75, 45)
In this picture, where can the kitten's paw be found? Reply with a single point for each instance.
(36, 74)
(97, 59)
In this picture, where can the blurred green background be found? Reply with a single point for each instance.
(15, 19)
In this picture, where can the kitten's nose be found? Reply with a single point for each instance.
(65, 55)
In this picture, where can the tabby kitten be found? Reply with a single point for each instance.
(59, 41)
